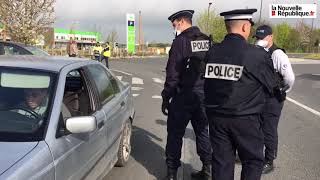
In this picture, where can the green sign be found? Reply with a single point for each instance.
(131, 34)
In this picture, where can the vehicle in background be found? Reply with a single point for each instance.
(13, 48)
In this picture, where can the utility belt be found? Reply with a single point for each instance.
(280, 93)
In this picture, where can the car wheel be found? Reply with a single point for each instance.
(125, 145)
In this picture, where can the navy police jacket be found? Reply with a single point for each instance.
(237, 77)
(183, 71)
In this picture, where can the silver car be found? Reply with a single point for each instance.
(62, 119)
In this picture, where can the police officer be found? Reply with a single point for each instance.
(96, 52)
(183, 95)
(272, 111)
(236, 75)
(106, 53)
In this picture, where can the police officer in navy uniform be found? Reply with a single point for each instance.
(235, 78)
(183, 96)
(272, 110)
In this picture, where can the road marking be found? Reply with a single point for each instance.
(136, 80)
(122, 72)
(135, 95)
(156, 97)
(157, 80)
(304, 106)
(119, 77)
(136, 88)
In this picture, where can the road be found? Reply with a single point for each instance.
(299, 128)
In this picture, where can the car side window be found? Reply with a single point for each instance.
(103, 82)
(76, 100)
(12, 50)
(114, 83)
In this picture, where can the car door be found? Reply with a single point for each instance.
(79, 152)
(110, 100)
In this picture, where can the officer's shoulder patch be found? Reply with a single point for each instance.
(223, 71)
(200, 45)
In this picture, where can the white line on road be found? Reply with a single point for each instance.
(304, 106)
(136, 80)
(121, 72)
(136, 88)
(119, 77)
(156, 97)
(135, 95)
(157, 80)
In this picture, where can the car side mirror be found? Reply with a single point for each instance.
(83, 124)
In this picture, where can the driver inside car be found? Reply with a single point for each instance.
(35, 100)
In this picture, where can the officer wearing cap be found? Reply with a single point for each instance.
(272, 110)
(235, 78)
(183, 97)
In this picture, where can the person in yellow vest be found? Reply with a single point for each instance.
(106, 53)
(96, 52)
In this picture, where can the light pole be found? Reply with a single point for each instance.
(311, 33)
(260, 12)
(210, 3)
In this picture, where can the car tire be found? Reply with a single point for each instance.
(125, 145)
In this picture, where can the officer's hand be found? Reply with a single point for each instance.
(280, 94)
(165, 107)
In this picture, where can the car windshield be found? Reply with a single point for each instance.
(36, 51)
(25, 97)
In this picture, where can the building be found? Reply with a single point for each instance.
(58, 38)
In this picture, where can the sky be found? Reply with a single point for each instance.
(108, 15)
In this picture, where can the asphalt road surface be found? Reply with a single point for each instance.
(299, 128)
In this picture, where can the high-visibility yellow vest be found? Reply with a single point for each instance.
(97, 50)
(106, 51)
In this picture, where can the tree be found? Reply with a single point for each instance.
(112, 37)
(216, 25)
(281, 34)
(26, 20)
(294, 41)
(304, 32)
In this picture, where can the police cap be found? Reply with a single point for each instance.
(239, 14)
(183, 13)
(263, 31)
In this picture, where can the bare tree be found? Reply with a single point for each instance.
(26, 20)
(112, 37)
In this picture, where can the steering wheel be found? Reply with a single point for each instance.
(31, 112)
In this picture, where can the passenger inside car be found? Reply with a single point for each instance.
(76, 97)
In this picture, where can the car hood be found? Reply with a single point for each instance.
(12, 152)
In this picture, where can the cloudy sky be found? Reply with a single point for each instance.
(108, 15)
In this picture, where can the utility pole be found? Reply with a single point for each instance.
(207, 28)
(139, 35)
(260, 12)
(311, 33)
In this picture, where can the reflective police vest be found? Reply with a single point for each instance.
(194, 66)
(97, 50)
(106, 51)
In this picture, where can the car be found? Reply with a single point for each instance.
(62, 119)
(14, 48)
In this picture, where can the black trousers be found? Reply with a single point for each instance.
(231, 133)
(184, 107)
(106, 59)
(270, 118)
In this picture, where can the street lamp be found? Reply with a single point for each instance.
(210, 3)
(260, 12)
